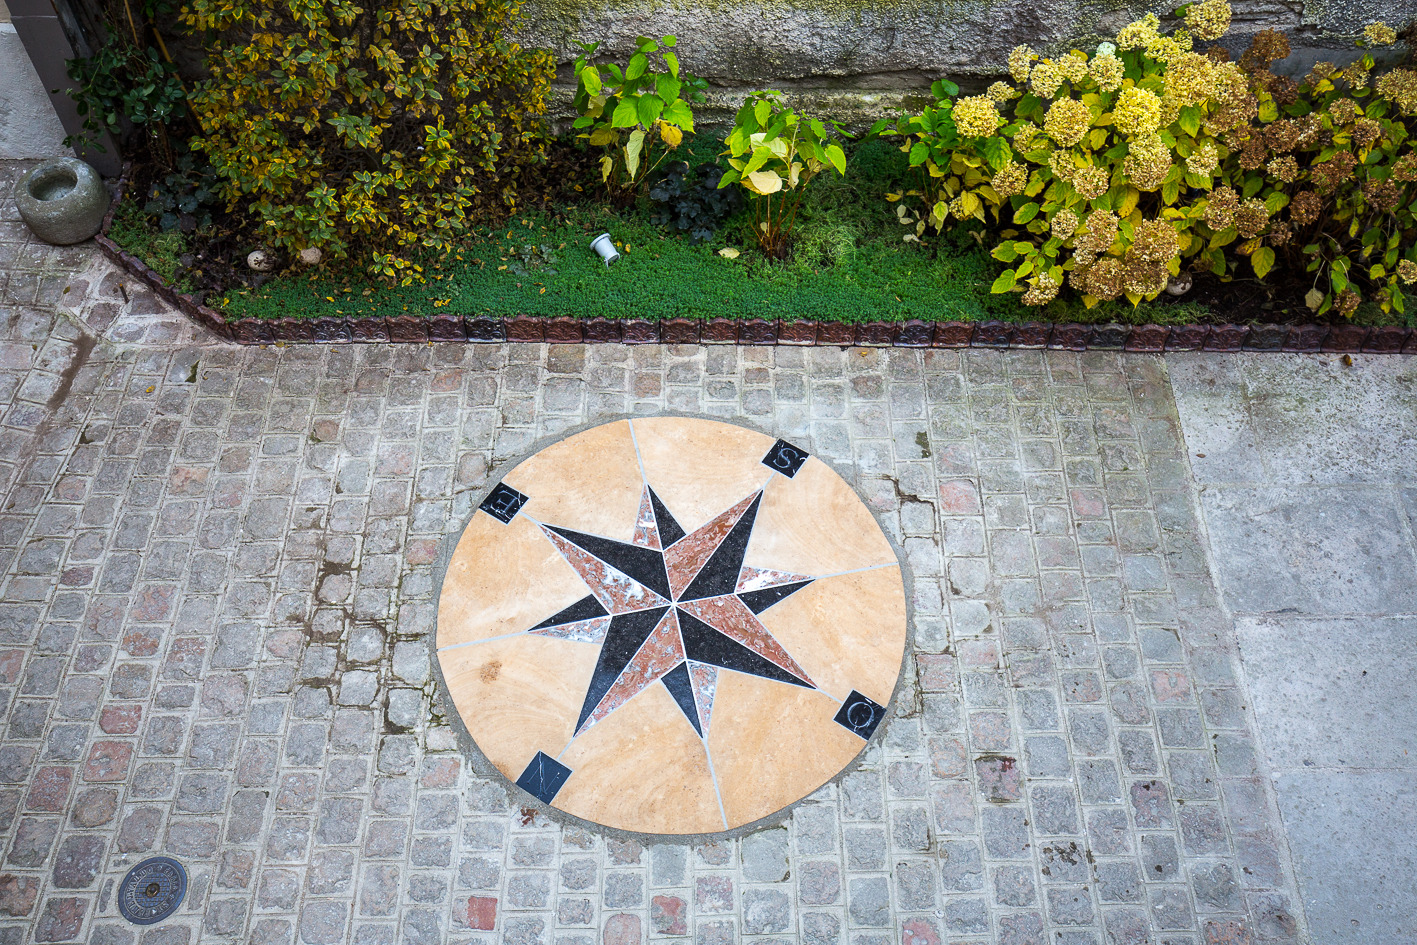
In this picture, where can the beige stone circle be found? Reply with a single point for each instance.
(642, 764)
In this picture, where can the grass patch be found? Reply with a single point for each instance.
(161, 250)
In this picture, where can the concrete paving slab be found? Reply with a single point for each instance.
(1350, 833)
(1322, 525)
(1304, 418)
(1318, 550)
(1333, 692)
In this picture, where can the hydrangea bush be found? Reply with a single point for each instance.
(1111, 172)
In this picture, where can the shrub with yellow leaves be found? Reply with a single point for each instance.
(374, 130)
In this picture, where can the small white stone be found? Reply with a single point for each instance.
(1179, 285)
(261, 261)
(310, 256)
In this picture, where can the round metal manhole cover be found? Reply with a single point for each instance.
(671, 625)
(152, 890)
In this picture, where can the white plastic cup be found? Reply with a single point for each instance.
(605, 248)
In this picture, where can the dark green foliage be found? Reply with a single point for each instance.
(689, 200)
(183, 199)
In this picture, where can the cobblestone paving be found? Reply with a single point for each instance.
(217, 587)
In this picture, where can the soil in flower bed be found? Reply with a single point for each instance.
(849, 264)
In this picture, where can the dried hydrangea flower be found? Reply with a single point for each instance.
(1400, 87)
(1144, 278)
(1105, 279)
(1356, 75)
(1333, 173)
(1148, 162)
(1305, 208)
(1000, 92)
(1067, 121)
(1107, 72)
(1046, 79)
(1280, 234)
(1366, 132)
(1043, 290)
(1284, 168)
(1405, 168)
(1347, 302)
(1282, 136)
(1073, 66)
(1209, 19)
(1379, 34)
(1407, 271)
(1139, 34)
(1024, 133)
(1190, 79)
(1343, 111)
(1382, 195)
(1203, 160)
(1010, 180)
(1064, 225)
(1220, 208)
(1253, 154)
(1251, 218)
(1265, 47)
(1154, 241)
(1091, 182)
(1166, 49)
(1137, 111)
(976, 116)
(1102, 231)
(1021, 62)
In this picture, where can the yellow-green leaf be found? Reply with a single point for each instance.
(633, 147)
(764, 182)
(1263, 260)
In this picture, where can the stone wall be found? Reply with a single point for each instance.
(856, 60)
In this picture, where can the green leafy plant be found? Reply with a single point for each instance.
(130, 85)
(376, 129)
(636, 114)
(773, 153)
(932, 142)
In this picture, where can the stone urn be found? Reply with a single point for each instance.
(63, 201)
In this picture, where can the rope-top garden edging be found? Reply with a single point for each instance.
(915, 333)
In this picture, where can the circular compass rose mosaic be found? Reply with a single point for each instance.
(671, 626)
